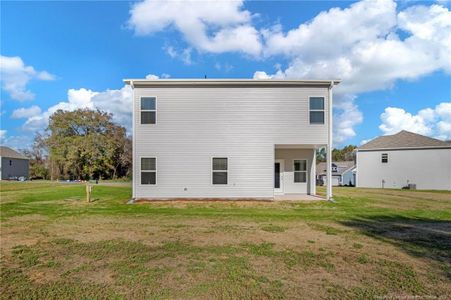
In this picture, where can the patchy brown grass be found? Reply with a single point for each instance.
(222, 256)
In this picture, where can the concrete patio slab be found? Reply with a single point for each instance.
(298, 197)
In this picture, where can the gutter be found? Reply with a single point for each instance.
(329, 144)
(404, 148)
(228, 82)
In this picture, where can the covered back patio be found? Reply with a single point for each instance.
(295, 172)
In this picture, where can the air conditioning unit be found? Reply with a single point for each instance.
(412, 186)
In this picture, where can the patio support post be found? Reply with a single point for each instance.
(313, 174)
(329, 145)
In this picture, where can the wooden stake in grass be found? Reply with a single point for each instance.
(88, 192)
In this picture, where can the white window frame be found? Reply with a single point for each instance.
(306, 171)
(386, 158)
(213, 171)
(321, 110)
(148, 171)
(147, 110)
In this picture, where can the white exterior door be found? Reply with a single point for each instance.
(279, 169)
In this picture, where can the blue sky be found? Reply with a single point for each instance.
(394, 57)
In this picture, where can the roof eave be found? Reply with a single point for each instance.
(207, 82)
(405, 148)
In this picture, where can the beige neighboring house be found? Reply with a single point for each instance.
(13, 164)
(342, 173)
(402, 159)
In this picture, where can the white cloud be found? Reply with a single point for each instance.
(226, 67)
(117, 102)
(262, 75)
(152, 77)
(183, 55)
(16, 141)
(346, 116)
(395, 119)
(26, 112)
(363, 142)
(2, 134)
(434, 122)
(155, 77)
(15, 75)
(210, 26)
(370, 56)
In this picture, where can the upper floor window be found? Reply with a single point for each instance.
(384, 158)
(148, 170)
(219, 170)
(316, 110)
(300, 170)
(148, 110)
(334, 168)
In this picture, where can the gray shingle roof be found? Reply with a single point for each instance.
(403, 139)
(341, 167)
(10, 153)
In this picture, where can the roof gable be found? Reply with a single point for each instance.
(341, 167)
(404, 139)
(10, 153)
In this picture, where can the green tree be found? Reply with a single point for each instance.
(39, 163)
(320, 155)
(345, 154)
(86, 144)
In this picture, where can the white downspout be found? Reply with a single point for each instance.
(329, 145)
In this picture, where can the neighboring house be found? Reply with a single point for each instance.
(13, 164)
(228, 138)
(395, 161)
(342, 173)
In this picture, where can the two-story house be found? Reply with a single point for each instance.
(229, 138)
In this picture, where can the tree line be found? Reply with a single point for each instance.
(345, 154)
(81, 145)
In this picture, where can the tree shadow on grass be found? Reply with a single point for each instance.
(416, 236)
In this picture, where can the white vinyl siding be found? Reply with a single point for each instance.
(241, 123)
(427, 168)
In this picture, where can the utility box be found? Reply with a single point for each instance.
(412, 186)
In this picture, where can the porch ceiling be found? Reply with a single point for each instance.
(298, 146)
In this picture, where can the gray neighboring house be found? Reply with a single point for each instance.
(343, 173)
(395, 161)
(13, 164)
(229, 138)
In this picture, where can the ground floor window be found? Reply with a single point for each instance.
(300, 170)
(219, 170)
(148, 170)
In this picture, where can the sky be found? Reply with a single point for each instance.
(394, 58)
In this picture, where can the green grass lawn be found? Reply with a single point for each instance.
(369, 244)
